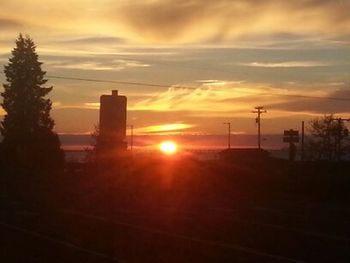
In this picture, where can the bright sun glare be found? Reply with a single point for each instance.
(168, 147)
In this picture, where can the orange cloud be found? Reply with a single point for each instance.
(164, 128)
(176, 21)
(190, 21)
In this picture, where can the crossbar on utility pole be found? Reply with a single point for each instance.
(259, 110)
(228, 134)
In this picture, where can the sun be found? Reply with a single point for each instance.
(168, 147)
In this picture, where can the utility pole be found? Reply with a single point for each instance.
(259, 110)
(131, 137)
(228, 135)
(302, 141)
(338, 145)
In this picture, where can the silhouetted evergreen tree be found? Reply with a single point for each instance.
(27, 128)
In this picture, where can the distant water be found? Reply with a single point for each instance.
(193, 142)
(204, 146)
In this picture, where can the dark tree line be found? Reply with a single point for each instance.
(328, 140)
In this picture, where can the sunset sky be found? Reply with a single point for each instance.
(211, 61)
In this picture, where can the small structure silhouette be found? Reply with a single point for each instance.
(291, 136)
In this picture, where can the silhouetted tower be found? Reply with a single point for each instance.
(113, 122)
(259, 110)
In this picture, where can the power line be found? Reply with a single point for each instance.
(145, 84)
(194, 88)
(295, 96)
(174, 64)
(111, 81)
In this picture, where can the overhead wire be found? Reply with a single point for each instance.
(158, 85)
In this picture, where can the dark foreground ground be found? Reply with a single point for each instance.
(168, 210)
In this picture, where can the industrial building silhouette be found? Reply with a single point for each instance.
(112, 124)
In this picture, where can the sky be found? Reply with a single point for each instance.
(211, 61)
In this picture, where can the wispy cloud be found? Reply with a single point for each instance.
(212, 82)
(94, 40)
(208, 97)
(92, 105)
(179, 21)
(336, 102)
(114, 65)
(239, 97)
(287, 64)
(85, 66)
(173, 128)
(9, 24)
(169, 20)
